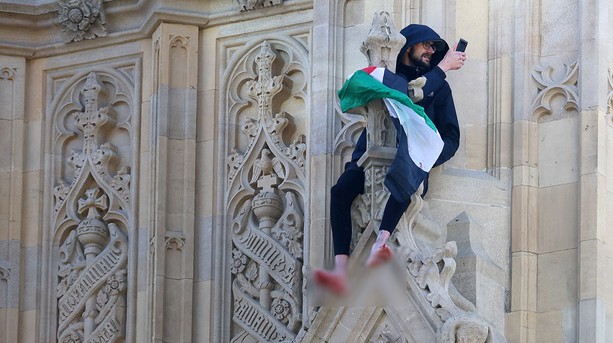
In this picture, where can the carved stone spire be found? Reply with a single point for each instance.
(380, 47)
(383, 42)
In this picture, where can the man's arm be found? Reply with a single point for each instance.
(423, 89)
(453, 60)
(446, 121)
(419, 89)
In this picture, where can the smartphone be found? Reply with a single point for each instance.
(461, 45)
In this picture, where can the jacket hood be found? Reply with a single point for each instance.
(416, 33)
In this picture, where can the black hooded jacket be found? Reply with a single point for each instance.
(437, 103)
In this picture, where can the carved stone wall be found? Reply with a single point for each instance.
(266, 175)
(166, 165)
(92, 214)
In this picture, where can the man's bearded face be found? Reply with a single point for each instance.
(419, 56)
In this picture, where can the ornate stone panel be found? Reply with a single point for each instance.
(554, 84)
(92, 211)
(351, 127)
(266, 168)
(81, 19)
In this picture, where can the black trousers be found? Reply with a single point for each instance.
(349, 185)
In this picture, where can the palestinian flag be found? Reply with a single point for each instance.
(423, 140)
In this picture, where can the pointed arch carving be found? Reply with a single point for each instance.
(351, 127)
(265, 178)
(179, 41)
(91, 205)
(7, 73)
(175, 243)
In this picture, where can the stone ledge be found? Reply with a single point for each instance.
(148, 16)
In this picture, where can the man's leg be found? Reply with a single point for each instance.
(392, 213)
(334, 280)
(349, 185)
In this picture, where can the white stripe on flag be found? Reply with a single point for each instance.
(425, 145)
(378, 74)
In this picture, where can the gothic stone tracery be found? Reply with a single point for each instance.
(552, 85)
(91, 205)
(266, 184)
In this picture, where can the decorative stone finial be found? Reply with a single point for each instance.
(383, 42)
(266, 86)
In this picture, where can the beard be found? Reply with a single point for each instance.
(418, 60)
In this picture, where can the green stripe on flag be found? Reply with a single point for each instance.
(361, 88)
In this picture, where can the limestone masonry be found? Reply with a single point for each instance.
(165, 169)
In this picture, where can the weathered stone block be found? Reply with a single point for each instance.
(477, 277)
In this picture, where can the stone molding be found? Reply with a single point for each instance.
(13, 188)
(172, 171)
(551, 85)
(145, 16)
